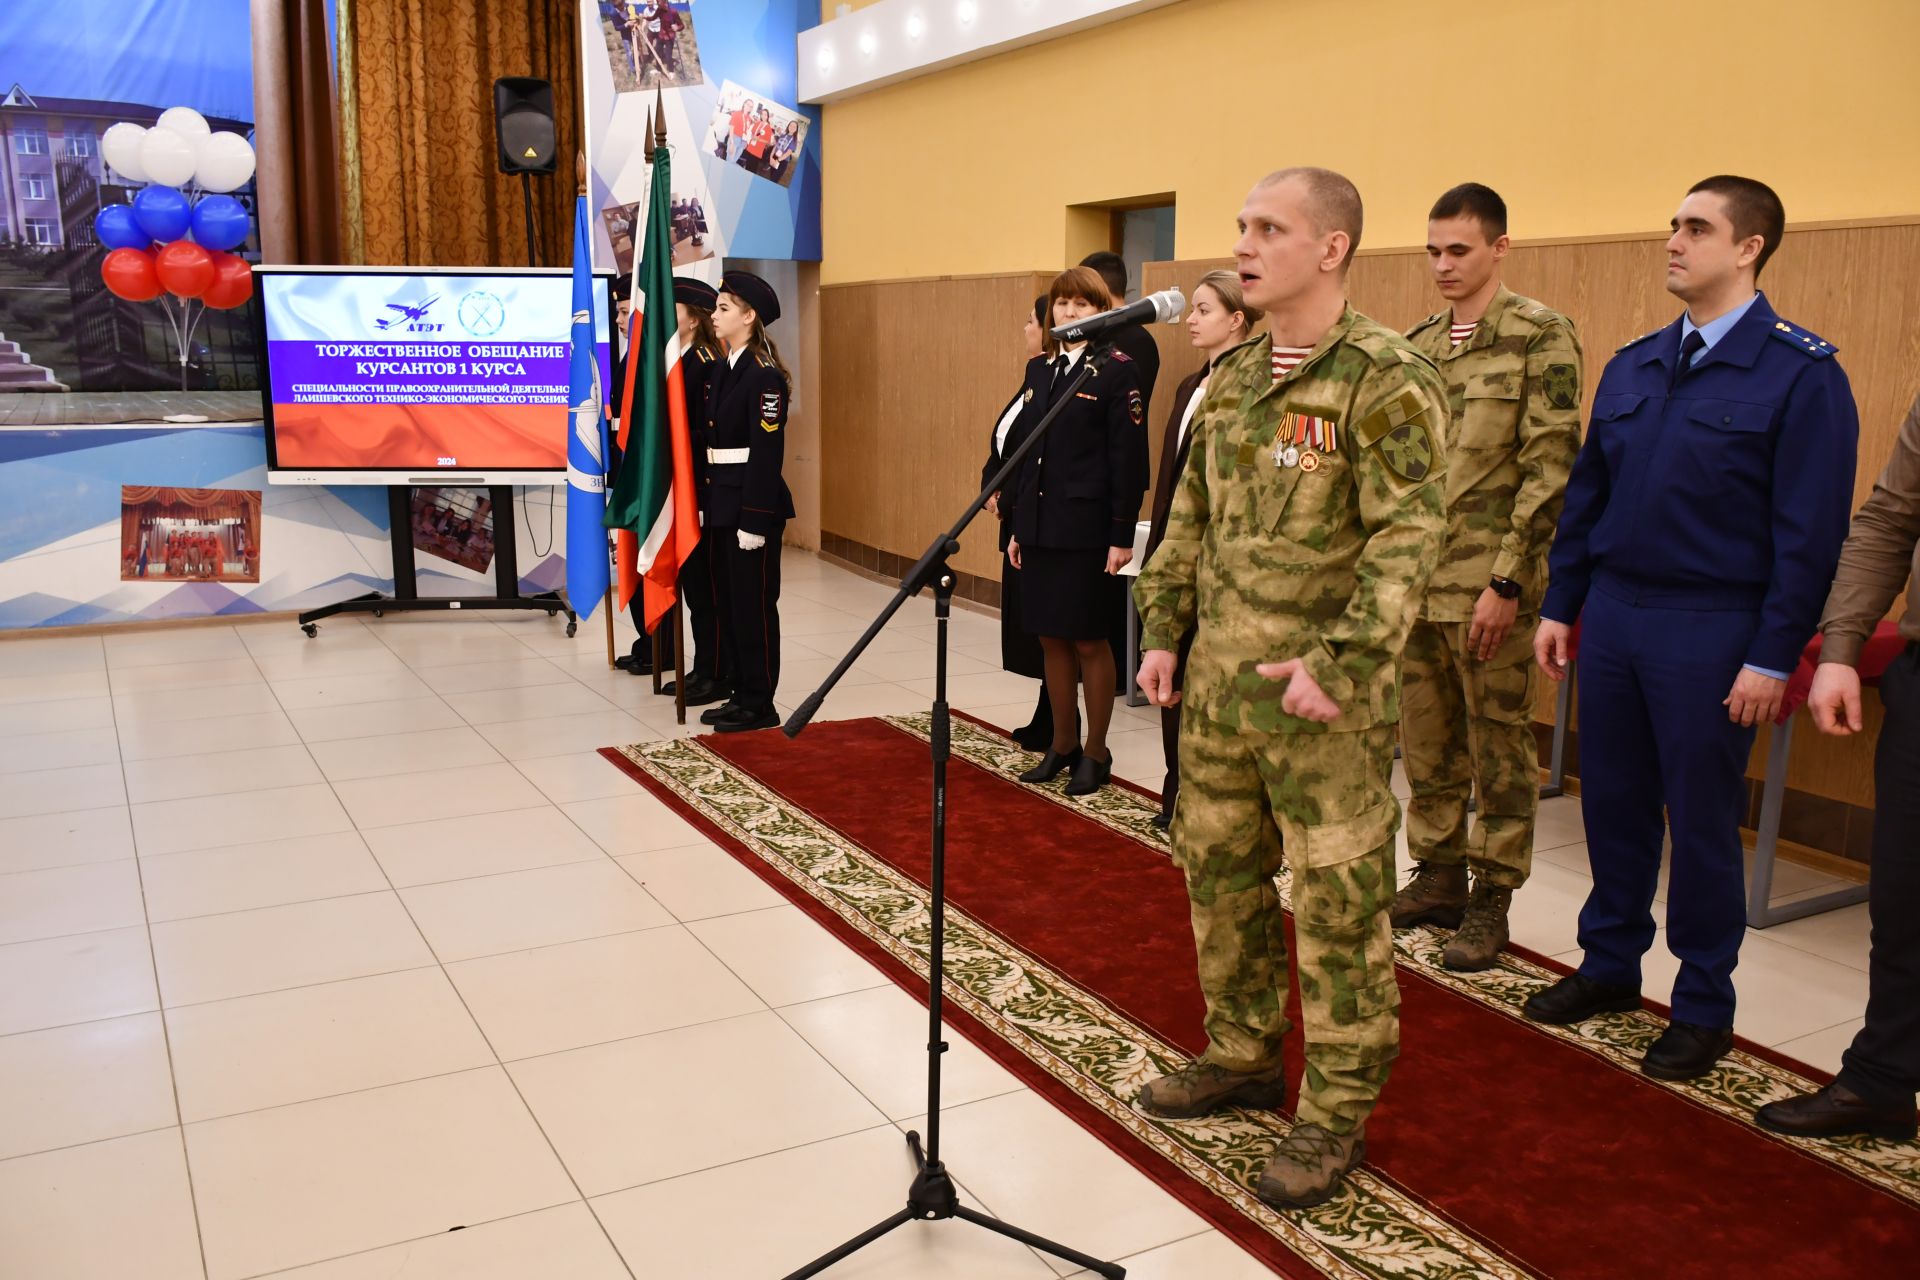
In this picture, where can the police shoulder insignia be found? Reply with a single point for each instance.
(1817, 347)
(769, 405)
(1634, 342)
(1136, 408)
(1561, 382)
(766, 362)
(1119, 356)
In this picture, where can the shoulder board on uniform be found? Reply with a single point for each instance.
(1539, 313)
(1119, 355)
(1634, 342)
(1817, 347)
(766, 361)
(703, 354)
(1430, 320)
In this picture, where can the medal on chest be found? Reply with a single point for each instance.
(1299, 436)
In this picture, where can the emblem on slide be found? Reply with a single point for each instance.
(410, 318)
(482, 314)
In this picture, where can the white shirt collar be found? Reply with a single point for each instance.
(733, 357)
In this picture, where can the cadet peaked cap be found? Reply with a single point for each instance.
(753, 291)
(622, 288)
(694, 293)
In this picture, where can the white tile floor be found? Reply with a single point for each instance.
(312, 950)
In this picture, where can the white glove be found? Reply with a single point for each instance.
(750, 541)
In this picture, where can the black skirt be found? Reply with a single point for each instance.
(1068, 593)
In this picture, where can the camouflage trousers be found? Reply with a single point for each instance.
(1323, 802)
(1466, 729)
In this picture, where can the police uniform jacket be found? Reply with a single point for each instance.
(1731, 491)
(746, 408)
(1080, 487)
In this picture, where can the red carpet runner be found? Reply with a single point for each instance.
(1500, 1149)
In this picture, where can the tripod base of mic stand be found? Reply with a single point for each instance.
(932, 1198)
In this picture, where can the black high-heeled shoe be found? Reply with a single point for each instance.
(1052, 765)
(1089, 775)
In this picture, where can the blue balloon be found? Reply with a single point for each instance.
(220, 222)
(162, 213)
(116, 228)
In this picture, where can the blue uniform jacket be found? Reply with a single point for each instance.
(1732, 493)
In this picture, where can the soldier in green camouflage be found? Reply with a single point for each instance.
(1307, 521)
(1512, 369)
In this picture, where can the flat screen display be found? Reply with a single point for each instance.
(455, 375)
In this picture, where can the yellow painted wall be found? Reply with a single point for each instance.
(1590, 116)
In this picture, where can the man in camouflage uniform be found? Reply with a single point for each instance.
(1306, 523)
(1512, 369)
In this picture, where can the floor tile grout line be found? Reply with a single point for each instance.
(395, 1244)
(159, 998)
(446, 977)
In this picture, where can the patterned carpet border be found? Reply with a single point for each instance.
(1082, 1049)
(1747, 1078)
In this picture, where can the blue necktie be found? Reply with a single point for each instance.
(1689, 348)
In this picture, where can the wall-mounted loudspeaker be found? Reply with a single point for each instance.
(523, 121)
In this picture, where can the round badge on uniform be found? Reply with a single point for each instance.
(1290, 456)
(1028, 397)
(1309, 461)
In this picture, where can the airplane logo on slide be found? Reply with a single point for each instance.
(412, 319)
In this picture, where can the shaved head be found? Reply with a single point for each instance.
(1333, 202)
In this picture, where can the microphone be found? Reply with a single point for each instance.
(1156, 308)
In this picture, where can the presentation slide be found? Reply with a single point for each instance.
(422, 372)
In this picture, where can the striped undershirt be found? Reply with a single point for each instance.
(1285, 358)
(1461, 332)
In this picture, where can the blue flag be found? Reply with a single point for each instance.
(587, 571)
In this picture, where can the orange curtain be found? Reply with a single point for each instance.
(423, 186)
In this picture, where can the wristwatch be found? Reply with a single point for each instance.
(1505, 588)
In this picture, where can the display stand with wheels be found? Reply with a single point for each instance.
(406, 595)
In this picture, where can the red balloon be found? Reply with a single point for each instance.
(184, 268)
(232, 282)
(130, 274)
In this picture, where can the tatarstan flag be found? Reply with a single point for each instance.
(653, 498)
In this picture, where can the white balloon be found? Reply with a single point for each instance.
(185, 121)
(167, 157)
(120, 147)
(225, 162)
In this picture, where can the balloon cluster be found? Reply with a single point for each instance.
(149, 252)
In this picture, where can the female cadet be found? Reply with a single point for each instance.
(1075, 500)
(1218, 322)
(744, 502)
(693, 302)
(1019, 651)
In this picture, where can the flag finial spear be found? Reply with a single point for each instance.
(580, 170)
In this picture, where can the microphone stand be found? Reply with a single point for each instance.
(932, 1196)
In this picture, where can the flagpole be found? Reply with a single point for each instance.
(609, 604)
(606, 451)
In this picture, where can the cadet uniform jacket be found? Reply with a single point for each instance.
(1514, 391)
(1080, 487)
(1325, 560)
(1728, 490)
(746, 409)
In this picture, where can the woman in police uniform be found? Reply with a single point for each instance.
(1074, 503)
(744, 502)
(1019, 650)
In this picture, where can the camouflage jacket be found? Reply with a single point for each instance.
(1514, 389)
(1324, 560)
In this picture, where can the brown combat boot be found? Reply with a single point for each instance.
(1202, 1086)
(1435, 895)
(1483, 930)
(1309, 1165)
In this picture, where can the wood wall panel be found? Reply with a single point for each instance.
(914, 376)
(915, 372)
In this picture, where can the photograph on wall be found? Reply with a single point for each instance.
(79, 228)
(757, 134)
(692, 238)
(189, 535)
(650, 44)
(454, 524)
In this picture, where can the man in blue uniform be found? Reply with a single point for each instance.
(1704, 518)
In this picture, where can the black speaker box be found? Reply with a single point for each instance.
(523, 122)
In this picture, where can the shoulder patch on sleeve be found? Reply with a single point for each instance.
(1400, 435)
(1799, 339)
